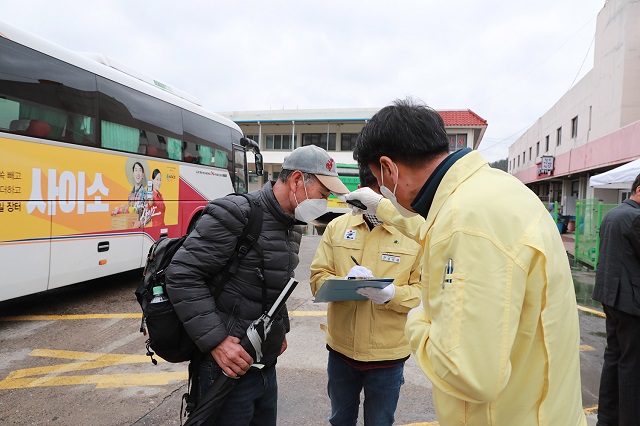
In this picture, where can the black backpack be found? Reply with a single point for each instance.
(166, 334)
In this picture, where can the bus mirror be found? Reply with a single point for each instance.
(253, 146)
(259, 164)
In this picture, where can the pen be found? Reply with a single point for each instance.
(448, 269)
(357, 204)
(355, 261)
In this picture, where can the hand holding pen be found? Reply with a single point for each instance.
(358, 271)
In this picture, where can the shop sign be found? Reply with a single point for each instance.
(545, 167)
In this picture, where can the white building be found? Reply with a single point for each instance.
(595, 126)
(278, 132)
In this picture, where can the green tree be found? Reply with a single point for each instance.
(500, 164)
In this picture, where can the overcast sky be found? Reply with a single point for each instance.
(508, 61)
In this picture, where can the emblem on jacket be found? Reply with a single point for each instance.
(350, 234)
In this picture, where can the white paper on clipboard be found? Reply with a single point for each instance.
(340, 289)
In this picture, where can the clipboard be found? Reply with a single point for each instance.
(340, 289)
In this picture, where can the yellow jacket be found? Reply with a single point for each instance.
(500, 342)
(363, 330)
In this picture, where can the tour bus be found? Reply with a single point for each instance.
(97, 162)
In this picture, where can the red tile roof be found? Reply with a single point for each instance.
(462, 118)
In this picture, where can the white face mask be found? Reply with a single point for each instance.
(391, 196)
(309, 209)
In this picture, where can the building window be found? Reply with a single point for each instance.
(574, 127)
(348, 141)
(320, 139)
(518, 161)
(278, 142)
(524, 157)
(575, 188)
(457, 142)
(559, 136)
(530, 149)
(537, 149)
(546, 144)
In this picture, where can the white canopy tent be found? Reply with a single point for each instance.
(619, 178)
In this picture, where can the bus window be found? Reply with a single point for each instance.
(34, 86)
(221, 159)
(174, 148)
(190, 152)
(206, 155)
(154, 145)
(117, 136)
(207, 141)
(155, 121)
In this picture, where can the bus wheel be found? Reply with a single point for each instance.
(193, 222)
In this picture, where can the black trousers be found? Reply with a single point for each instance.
(619, 403)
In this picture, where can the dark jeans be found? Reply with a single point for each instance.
(619, 403)
(252, 401)
(381, 392)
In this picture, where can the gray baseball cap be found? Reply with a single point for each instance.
(313, 159)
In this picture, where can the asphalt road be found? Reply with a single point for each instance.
(74, 356)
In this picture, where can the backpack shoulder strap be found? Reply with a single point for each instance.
(247, 240)
(251, 232)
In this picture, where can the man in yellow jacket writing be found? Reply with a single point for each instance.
(497, 333)
(365, 338)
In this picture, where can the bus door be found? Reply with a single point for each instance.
(240, 172)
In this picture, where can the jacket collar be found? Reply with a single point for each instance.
(632, 203)
(456, 175)
(358, 220)
(271, 203)
(423, 201)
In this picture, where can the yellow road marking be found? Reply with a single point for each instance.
(139, 316)
(591, 410)
(68, 317)
(592, 311)
(122, 316)
(307, 313)
(585, 348)
(101, 381)
(587, 411)
(53, 375)
(422, 424)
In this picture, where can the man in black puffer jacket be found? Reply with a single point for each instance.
(216, 326)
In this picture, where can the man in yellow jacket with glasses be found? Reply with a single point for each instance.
(365, 338)
(497, 333)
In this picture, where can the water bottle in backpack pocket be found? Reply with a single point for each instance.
(167, 336)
